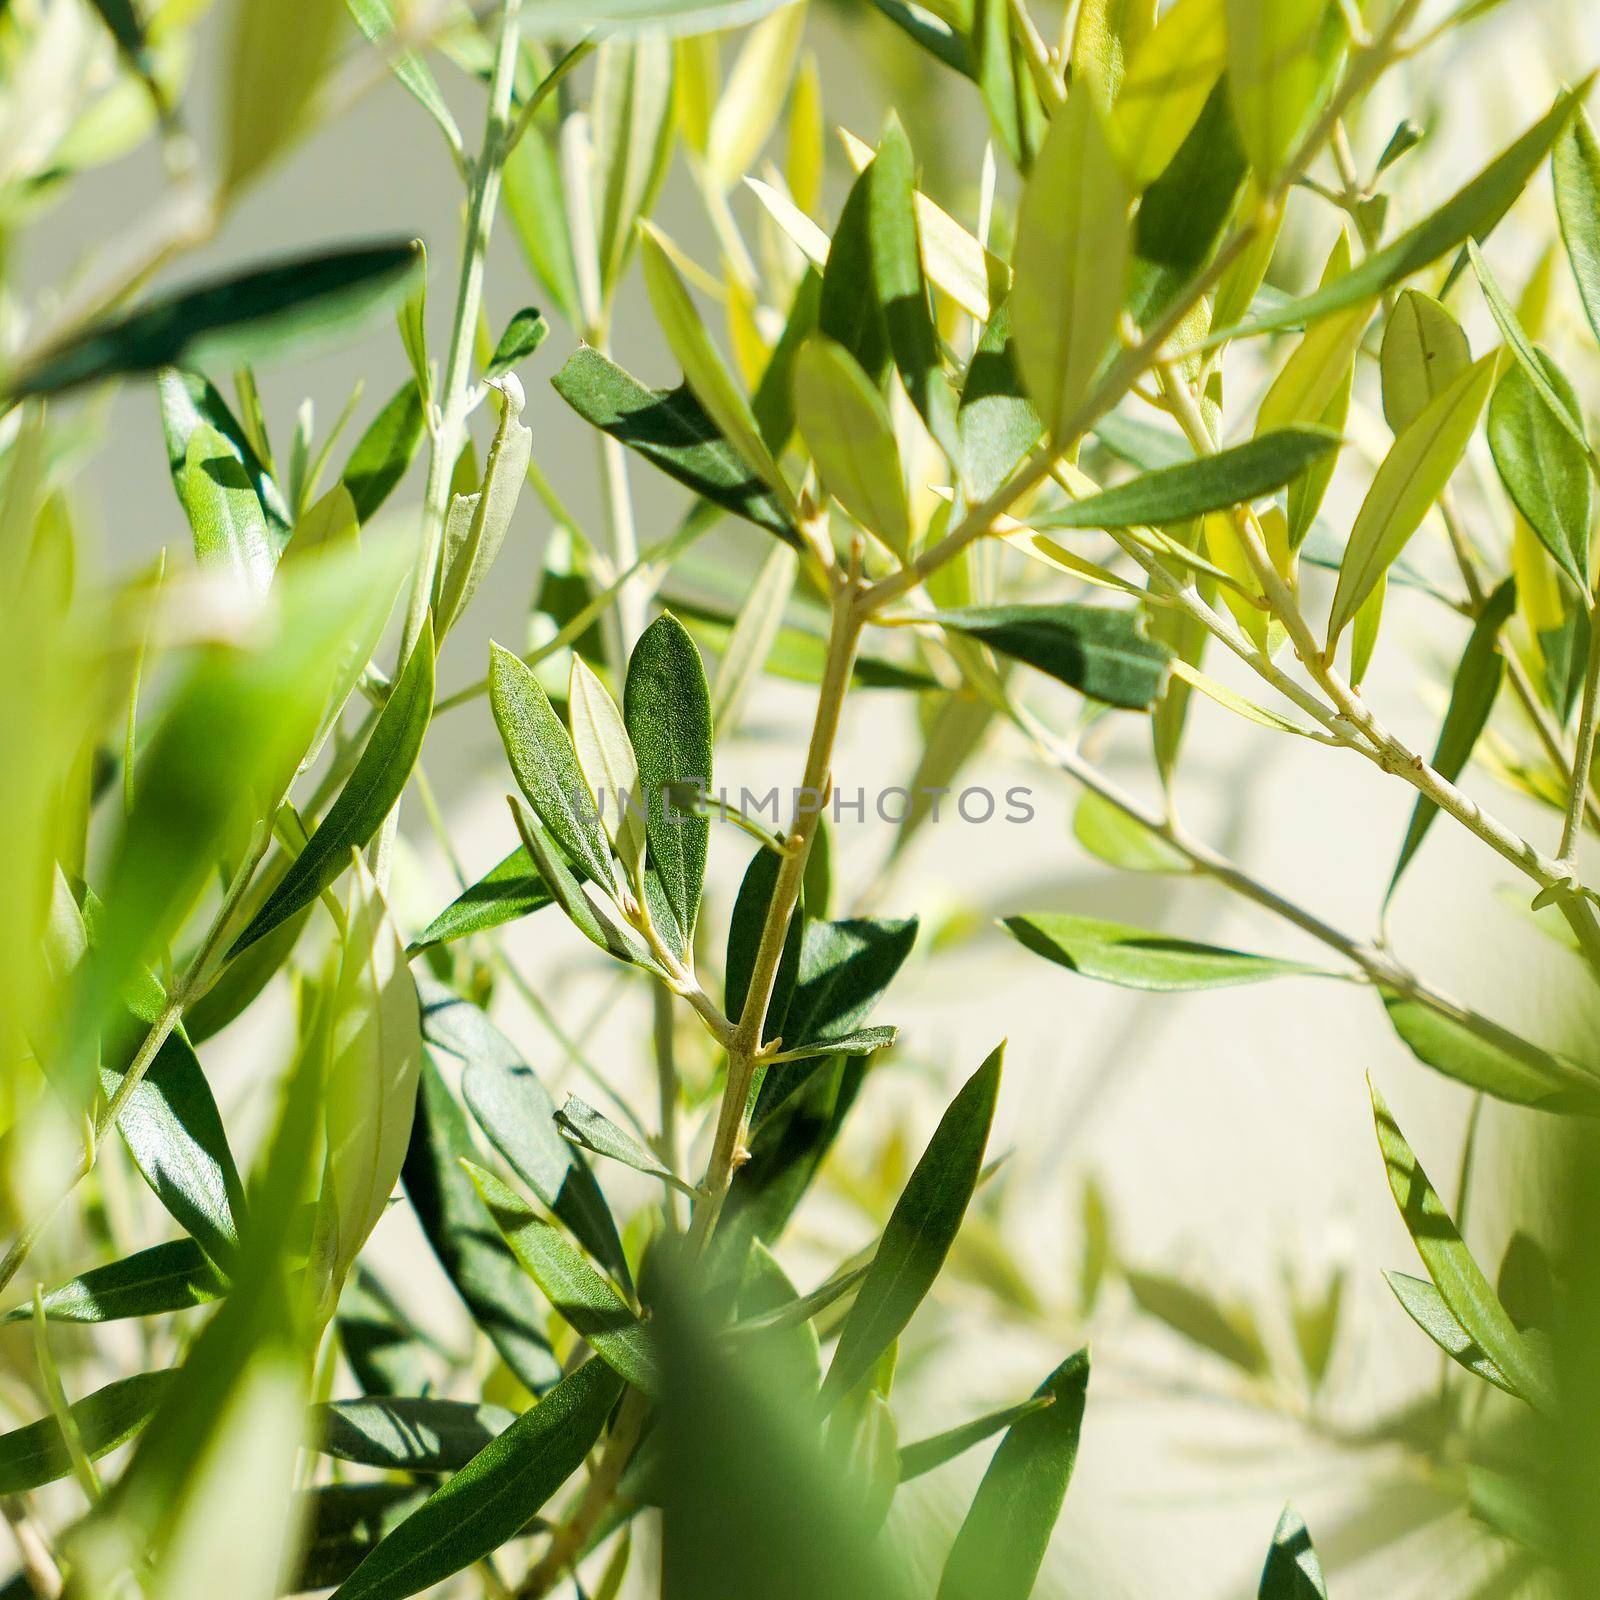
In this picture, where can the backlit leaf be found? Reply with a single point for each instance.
(1136, 958)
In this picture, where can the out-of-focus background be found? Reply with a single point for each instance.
(1227, 1132)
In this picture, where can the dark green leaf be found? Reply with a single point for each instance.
(384, 452)
(583, 1299)
(1544, 468)
(1473, 212)
(849, 312)
(750, 1505)
(513, 1107)
(596, 1132)
(506, 892)
(1002, 1542)
(1425, 1306)
(343, 1522)
(1098, 650)
(1472, 697)
(368, 796)
(242, 980)
(903, 291)
(260, 309)
(37, 1454)
(544, 764)
(474, 1256)
(843, 970)
(491, 1499)
(388, 1353)
(924, 1455)
(525, 332)
(666, 707)
(919, 1233)
(672, 431)
(1184, 212)
(1292, 1571)
(174, 1133)
(163, 1278)
(1206, 483)
(1136, 958)
(405, 1434)
(744, 938)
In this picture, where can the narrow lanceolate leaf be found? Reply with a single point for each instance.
(1071, 264)
(748, 108)
(475, 1258)
(1576, 168)
(632, 109)
(544, 764)
(493, 1497)
(226, 318)
(581, 1297)
(1425, 1306)
(1424, 352)
(1232, 477)
(511, 1104)
(230, 528)
(903, 291)
(672, 430)
(1003, 1539)
(1225, 1327)
(1544, 468)
(925, 1455)
(277, 60)
(919, 1233)
(1489, 1057)
(509, 890)
(1473, 212)
(1279, 52)
(666, 707)
(1458, 1278)
(163, 1278)
(1405, 486)
(1098, 650)
(1555, 392)
(384, 452)
(858, 1042)
(188, 401)
(405, 1434)
(1292, 1570)
(1168, 79)
(704, 370)
(1472, 697)
(1136, 958)
(848, 311)
(609, 766)
(367, 798)
(375, 18)
(370, 1080)
(524, 333)
(174, 1132)
(37, 1454)
(848, 430)
(597, 1133)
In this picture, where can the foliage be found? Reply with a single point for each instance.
(991, 457)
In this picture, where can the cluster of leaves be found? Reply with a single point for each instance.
(996, 468)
